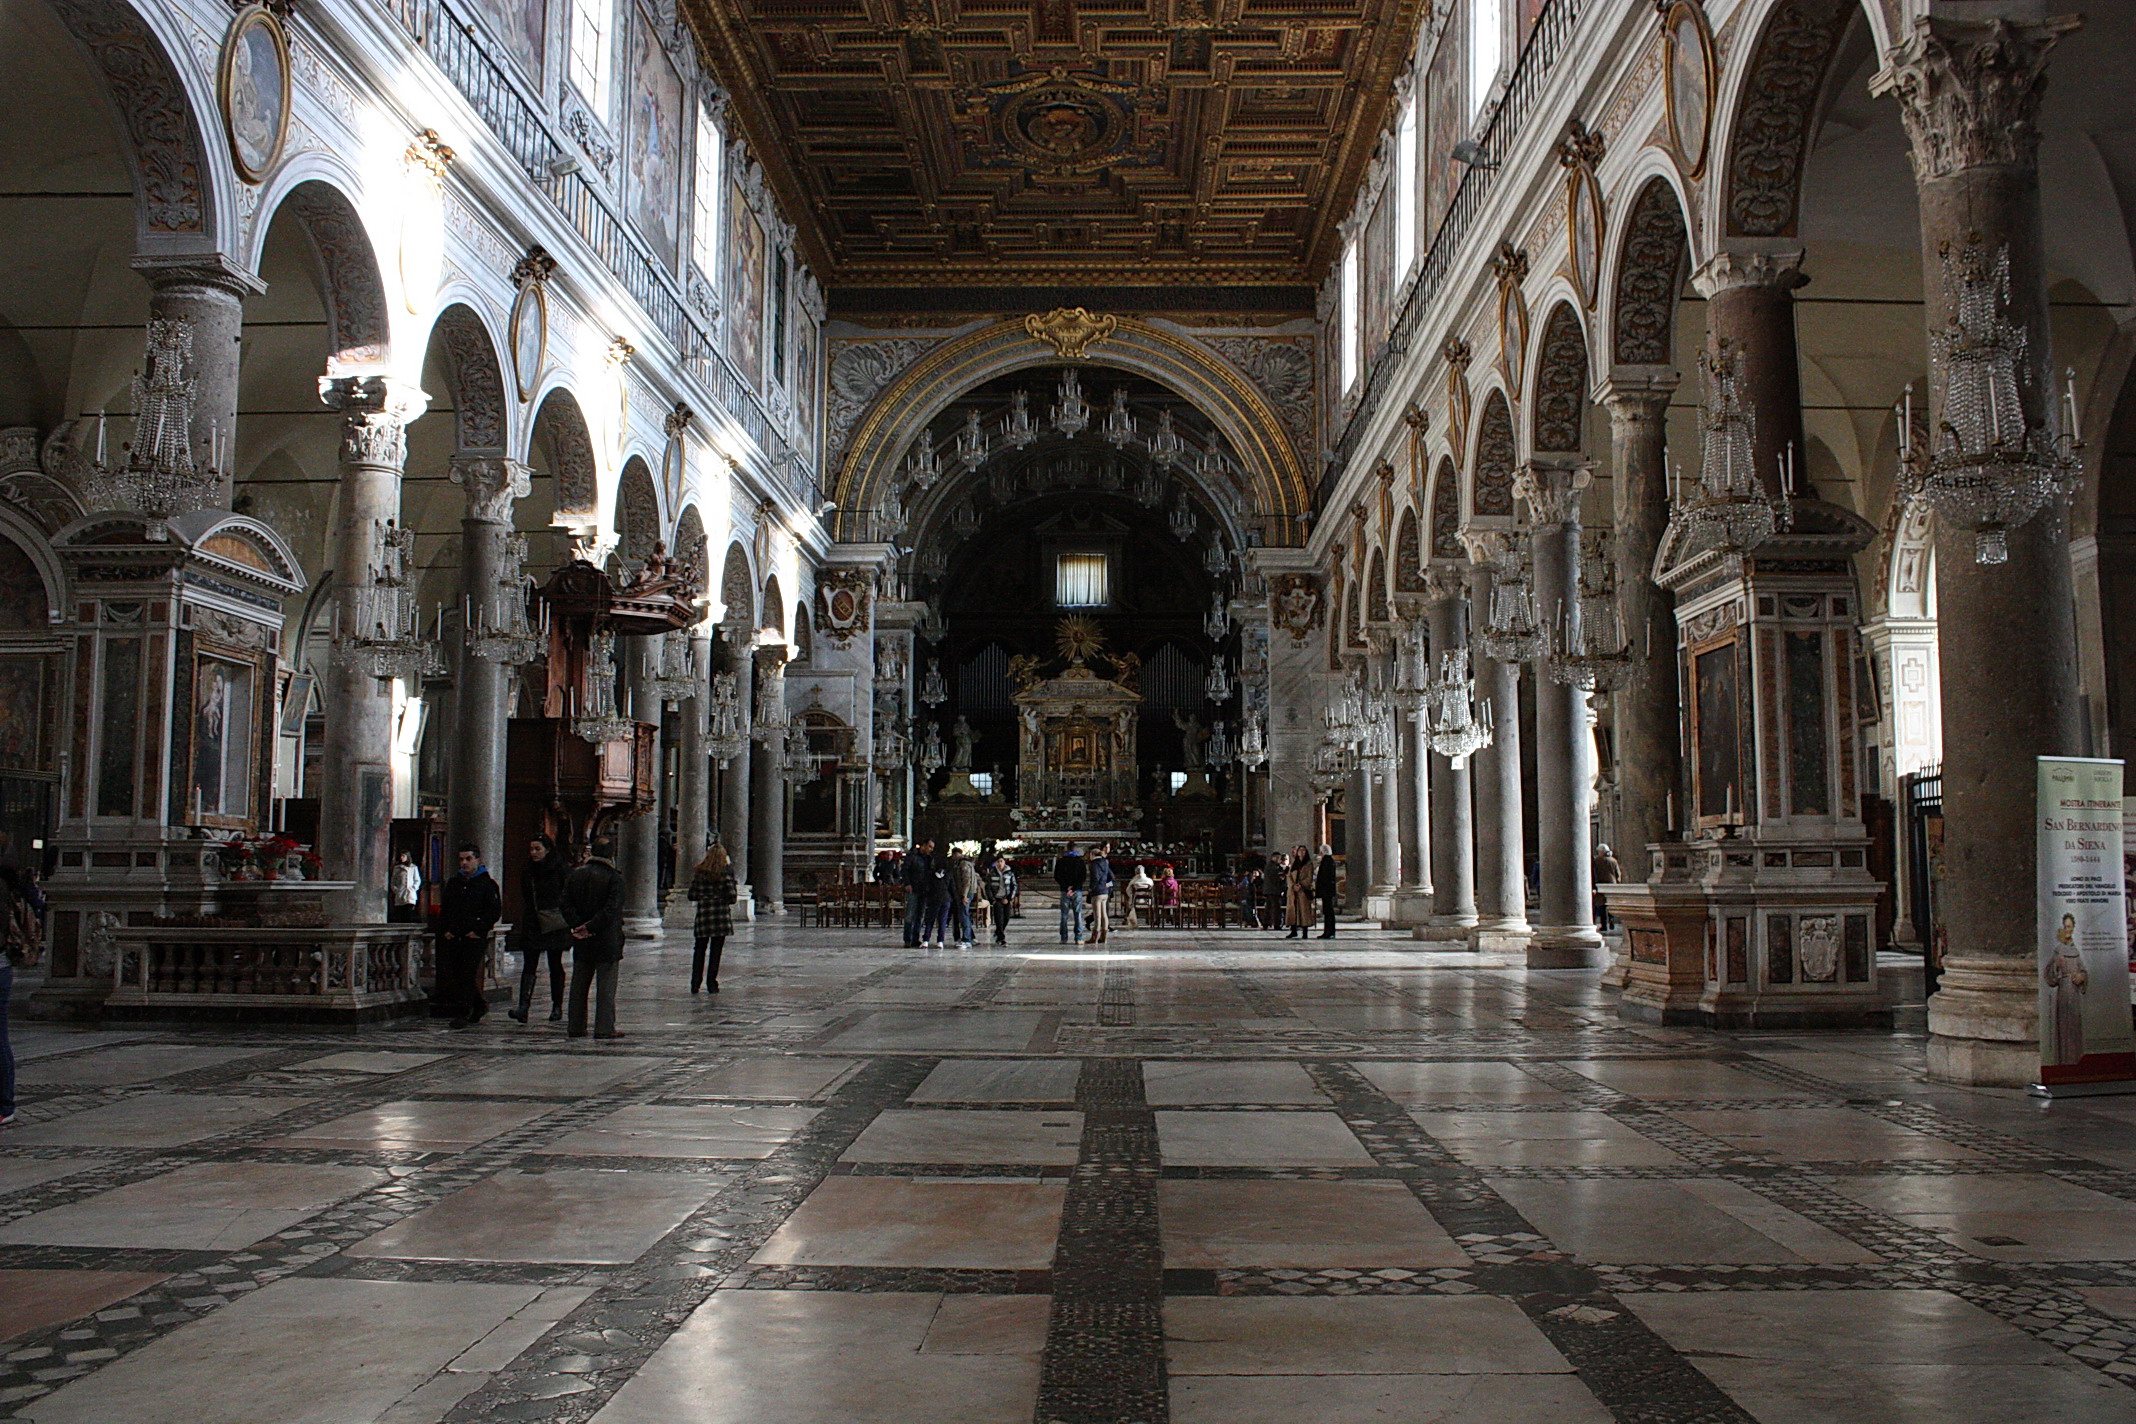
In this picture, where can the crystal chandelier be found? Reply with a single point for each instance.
(1182, 521)
(934, 689)
(798, 764)
(1218, 750)
(1343, 718)
(512, 639)
(1165, 446)
(1017, 427)
(1376, 742)
(600, 722)
(1333, 764)
(933, 561)
(925, 468)
(1412, 667)
(726, 734)
(971, 442)
(930, 625)
(1210, 466)
(892, 745)
(933, 755)
(1729, 502)
(1598, 657)
(1987, 469)
(674, 677)
(1458, 727)
(965, 517)
(1150, 486)
(1119, 427)
(1511, 633)
(159, 480)
(384, 634)
(1253, 743)
(1071, 414)
(1216, 623)
(1219, 686)
(1215, 562)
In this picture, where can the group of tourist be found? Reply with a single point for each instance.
(944, 889)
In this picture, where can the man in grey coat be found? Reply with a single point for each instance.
(593, 910)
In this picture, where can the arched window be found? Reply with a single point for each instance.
(1486, 51)
(1352, 337)
(1405, 189)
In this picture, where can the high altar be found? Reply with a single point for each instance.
(1076, 756)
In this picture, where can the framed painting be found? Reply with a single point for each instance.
(745, 287)
(652, 142)
(252, 82)
(1691, 69)
(528, 334)
(225, 718)
(22, 712)
(523, 25)
(1583, 232)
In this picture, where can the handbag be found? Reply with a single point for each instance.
(550, 922)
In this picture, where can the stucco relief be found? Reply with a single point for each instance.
(150, 102)
(859, 371)
(1282, 367)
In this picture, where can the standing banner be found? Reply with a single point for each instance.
(2087, 1044)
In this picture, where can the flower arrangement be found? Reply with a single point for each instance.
(276, 857)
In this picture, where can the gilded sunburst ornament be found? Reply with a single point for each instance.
(1078, 639)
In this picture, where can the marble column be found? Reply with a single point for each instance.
(1969, 94)
(1453, 851)
(1648, 716)
(638, 837)
(767, 786)
(475, 795)
(1564, 936)
(1383, 796)
(356, 771)
(208, 293)
(733, 811)
(1750, 306)
(693, 796)
(1501, 878)
(1412, 899)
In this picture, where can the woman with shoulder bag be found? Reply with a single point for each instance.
(21, 944)
(541, 928)
(713, 890)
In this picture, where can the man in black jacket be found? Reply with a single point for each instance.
(918, 873)
(467, 912)
(593, 909)
(1071, 874)
(1325, 888)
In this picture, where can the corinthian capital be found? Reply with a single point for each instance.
(1552, 491)
(1969, 90)
(375, 414)
(1750, 266)
(492, 484)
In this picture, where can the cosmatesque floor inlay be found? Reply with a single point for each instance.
(1226, 1177)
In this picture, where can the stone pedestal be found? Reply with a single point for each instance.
(1732, 934)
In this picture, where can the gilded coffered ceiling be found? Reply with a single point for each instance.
(1139, 142)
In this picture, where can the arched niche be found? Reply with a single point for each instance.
(1250, 427)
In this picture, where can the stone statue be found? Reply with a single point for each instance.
(961, 738)
(1193, 738)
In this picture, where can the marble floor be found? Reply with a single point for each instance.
(1197, 1178)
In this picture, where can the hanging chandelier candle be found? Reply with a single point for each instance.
(971, 442)
(1150, 486)
(797, 764)
(931, 625)
(933, 755)
(1166, 446)
(1119, 427)
(1253, 743)
(675, 677)
(1511, 634)
(1219, 686)
(1183, 522)
(1412, 667)
(1593, 651)
(1986, 468)
(934, 689)
(1017, 427)
(1217, 752)
(159, 479)
(384, 633)
(1215, 562)
(599, 722)
(1458, 727)
(726, 732)
(1729, 504)
(1071, 413)
(926, 469)
(1333, 764)
(506, 634)
(1216, 623)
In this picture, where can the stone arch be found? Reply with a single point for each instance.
(637, 515)
(737, 587)
(33, 596)
(1408, 554)
(1654, 242)
(1773, 115)
(1250, 426)
(1381, 609)
(1446, 512)
(1497, 453)
(772, 616)
(1910, 562)
(178, 169)
(1559, 410)
(578, 491)
(350, 281)
(481, 409)
(689, 547)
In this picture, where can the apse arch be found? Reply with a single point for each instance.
(909, 404)
(1647, 275)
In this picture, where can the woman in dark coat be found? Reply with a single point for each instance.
(541, 928)
(713, 890)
